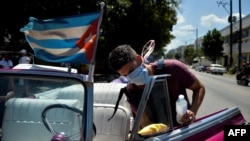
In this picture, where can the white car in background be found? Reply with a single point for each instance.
(216, 69)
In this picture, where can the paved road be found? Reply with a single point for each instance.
(223, 92)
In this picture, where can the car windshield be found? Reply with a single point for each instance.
(40, 88)
(27, 97)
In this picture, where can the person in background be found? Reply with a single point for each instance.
(24, 59)
(6, 63)
(124, 60)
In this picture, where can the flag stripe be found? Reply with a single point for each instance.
(78, 57)
(68, 39)
(59, 51)
(63, 22)
(62, 33)
(53, 43)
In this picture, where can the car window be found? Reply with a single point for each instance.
(156, 117)
(27, 96)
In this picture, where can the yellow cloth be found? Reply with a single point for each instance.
(153, 128)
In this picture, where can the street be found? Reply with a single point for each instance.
(223, 92)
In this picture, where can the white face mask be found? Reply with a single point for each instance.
(139, 76)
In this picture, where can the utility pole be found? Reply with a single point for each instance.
(231, 34)
(196, 42)
(183, 48)
(240, 36)
(231, 19)
(196, 39)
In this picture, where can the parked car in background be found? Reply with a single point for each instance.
(216, 69)
(200, 61)
(201, 68)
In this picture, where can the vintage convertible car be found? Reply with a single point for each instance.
(58, 104)
(49, 103)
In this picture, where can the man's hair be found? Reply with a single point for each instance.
(120, 56)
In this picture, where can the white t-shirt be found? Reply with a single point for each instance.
(24, 60)
(6, 64)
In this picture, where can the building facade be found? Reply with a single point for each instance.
(245, 42)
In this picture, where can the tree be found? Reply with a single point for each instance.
(199, 52)
(189, 54)
(177, 56)
(135, 22)
(171, 54)
(131, 22)
(212, 45)
(15, 15)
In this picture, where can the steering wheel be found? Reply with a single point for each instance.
(59, 136)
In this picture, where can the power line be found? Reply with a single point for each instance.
(223, 4)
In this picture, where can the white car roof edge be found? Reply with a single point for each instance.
(43, 67)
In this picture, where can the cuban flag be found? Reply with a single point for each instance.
(70, 39)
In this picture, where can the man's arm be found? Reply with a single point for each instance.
(198, 94)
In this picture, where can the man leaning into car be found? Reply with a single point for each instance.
(124, 60)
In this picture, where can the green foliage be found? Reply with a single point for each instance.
(171, 54)
(135, 22)
(124, 21)
(189, 54)
(212, 45)
(200, 52)
(232, 70)
(177, 56)
(15, 15)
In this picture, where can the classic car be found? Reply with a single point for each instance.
(52, 103)
(216, 69)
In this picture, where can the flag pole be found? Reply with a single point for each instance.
(92, 63)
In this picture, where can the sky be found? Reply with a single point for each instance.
(200, 16)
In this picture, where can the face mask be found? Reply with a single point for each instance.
(139, 76)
